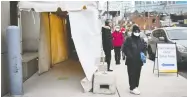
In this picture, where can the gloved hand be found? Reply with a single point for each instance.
(143, 57)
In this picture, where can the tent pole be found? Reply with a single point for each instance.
(20, 26)
(50, 38)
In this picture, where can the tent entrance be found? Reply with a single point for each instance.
(56, 49)
(56, 43)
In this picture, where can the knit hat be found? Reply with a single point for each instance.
(135, 29)
(107, 22)
(117, 28)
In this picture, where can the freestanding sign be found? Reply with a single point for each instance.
(166, 59)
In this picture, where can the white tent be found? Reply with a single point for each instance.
(85, 29)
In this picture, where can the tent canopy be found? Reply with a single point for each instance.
(85, 25)
(52, 6)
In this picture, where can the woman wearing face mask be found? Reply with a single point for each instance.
(107, 42)
(118, 38)
(133, 46)
(123, 30)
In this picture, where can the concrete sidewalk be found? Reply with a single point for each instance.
(49, 85)
(167, 85)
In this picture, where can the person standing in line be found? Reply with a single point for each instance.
(107, 42)
(118, 38)
(133, 46)
(123, 30)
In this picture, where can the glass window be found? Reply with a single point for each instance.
(159, 33)
(177, 34)
(148, 2)
(155, 34)
(162, 33)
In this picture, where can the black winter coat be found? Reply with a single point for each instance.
(132, 48)
(107, 38)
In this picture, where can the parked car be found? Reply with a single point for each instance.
(176, 35)
(147, 32)
(144, 36)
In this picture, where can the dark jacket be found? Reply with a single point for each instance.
(132, 48)
(124, 36)
(107, 38)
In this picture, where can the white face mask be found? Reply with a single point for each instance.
(110, 24)
(136, 34)
(117, 29)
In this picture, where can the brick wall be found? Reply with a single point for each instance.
(141, 21)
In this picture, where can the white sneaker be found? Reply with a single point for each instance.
(135, 91)
(138, 90)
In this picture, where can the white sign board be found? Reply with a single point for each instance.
(167, 58)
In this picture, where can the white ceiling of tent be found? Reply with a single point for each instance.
(52, 6)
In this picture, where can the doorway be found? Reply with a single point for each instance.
(57, 52)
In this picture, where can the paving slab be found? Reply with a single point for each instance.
(167, 85)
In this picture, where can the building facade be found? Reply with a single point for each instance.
(120, 7)
(169, 7)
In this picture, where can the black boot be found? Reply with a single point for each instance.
(118, 63)
(110, 70)
(123, 57)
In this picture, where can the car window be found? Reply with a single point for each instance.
(156, 33)
(159, 33)
(162, 33)
(177, 34)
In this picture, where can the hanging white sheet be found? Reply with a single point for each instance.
(86, 35)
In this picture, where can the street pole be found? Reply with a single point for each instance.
(14, 61)
(170, 18)
(125, 13)
(107, 10)
(13, 13)
(149, 20)
(145, 21)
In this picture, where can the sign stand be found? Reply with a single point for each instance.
(156, 62)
